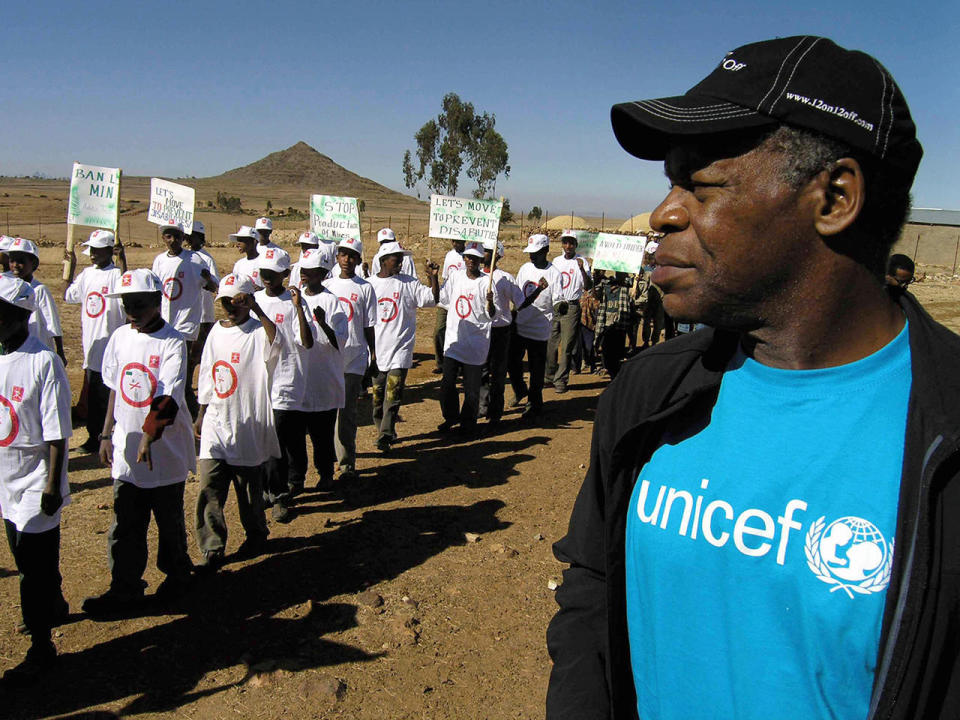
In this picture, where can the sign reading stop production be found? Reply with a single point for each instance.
(453, 218)
(170, 201)
(334, 217)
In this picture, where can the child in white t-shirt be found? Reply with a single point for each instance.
(235, 422)
(34, 428)
(452, 262)
(359, 301)
(24, 259)
(99, 317)
(148, 441)
(197, 239)
(398, 297)
(245, 240)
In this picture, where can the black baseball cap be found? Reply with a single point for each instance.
(805, 81)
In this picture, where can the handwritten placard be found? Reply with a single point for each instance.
(94, 196)
(454, 218)
(619, 253)
(334, 217)
(170, 201)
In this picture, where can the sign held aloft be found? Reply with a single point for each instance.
(94, 196)
(619, 253)
(334, 217)
(170, 201)
(454, 218)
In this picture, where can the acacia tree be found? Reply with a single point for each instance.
(456, 136)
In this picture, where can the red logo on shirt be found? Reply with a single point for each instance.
(566, 277)
(137, 385)
(94, 304)
(17, 393)
(172, 289)
(224, 379)
(9, 423)
(348, 305)
(269, 254)
(235, 357)
(463, 306)
(154, 361)
(388, 309)
(279, 318)
(104, 290)
(126, 280)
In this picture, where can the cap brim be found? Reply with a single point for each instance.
(644, 127)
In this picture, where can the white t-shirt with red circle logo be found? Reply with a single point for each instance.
(325, 382)
(398, 298)
(508, 292)
(467, 335)
(207, 312)
(99, 315)
(534, 321)
(182, 284)
(34, 410)
(290, 375)
(44, 323)
(234, 384)
(452, 262)
(140, 367)
(571, 279)
(250, 268)
(359, 302)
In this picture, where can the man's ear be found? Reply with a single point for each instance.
(841, 196)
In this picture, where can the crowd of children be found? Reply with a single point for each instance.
(287, 359)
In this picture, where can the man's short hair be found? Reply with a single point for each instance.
(900, 262)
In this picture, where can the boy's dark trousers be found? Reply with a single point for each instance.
(37, 556)
(286, 474)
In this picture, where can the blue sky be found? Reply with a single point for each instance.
(196, 88)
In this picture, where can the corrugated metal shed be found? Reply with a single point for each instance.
(934, 216)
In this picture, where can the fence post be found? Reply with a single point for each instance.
(602, 217)
(521, 225)
(39, 227)
(955, 252)
(408, 227)
(916, 248)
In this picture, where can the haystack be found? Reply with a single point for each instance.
(637, 224)
(566, 222)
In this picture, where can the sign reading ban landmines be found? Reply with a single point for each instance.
(94, 196)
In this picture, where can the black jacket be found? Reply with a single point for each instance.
(918, 668)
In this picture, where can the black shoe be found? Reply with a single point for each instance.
(518, 400)
(112, 605)
(560, 389)
(383, 444)
(326, 483)
(281, 513)
(172, 589)
(530, 413)
(437, 371)
(60, 615)
(209, 563)
(40, 658)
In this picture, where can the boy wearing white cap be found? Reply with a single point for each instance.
(542, 280)
(407, 267)
(264, 228)
(472, 307)
(24, 259)
(564, 342)
(245, 240)
(99, 317)
(398, 297)
(306, 241)
(5, 242)
(452, 262)
(197, 239)
(34, 428)
(148, 442)
(359, 300)
(324, 389)
(235, 423)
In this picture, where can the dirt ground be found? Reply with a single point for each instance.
(421, 593)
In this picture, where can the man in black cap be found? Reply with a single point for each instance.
(766, 526)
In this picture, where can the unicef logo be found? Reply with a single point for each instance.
(851, 554)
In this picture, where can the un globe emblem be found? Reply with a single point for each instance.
(851, 554)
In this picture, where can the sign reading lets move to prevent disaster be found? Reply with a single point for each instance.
(453, 218)
(169, 201)
(334, 217)
(94, 196)
(620, 253)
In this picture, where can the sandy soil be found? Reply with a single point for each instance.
(422, 593)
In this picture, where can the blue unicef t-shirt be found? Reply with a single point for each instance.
(759, 546)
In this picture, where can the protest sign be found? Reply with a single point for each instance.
(94, 196)
(334, 217)
(454, 218)
(169, 201)
(619, 253)
(586, 243)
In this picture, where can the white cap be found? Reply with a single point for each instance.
(536, 242)
(99, 239)
(351, 243)
(5, 242)
(23, 245)
(263, 223)
(172, 225)
(392, 248)
(568, 234)
(473, 249)
(136, 281)
(651, 247)
(234, 284)
(245, 231)
(488, 245)
(16, 292)
(274, 259)
(500, 250)
(313, 258)
(308, 238)
(198, 228)
(386, 235)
